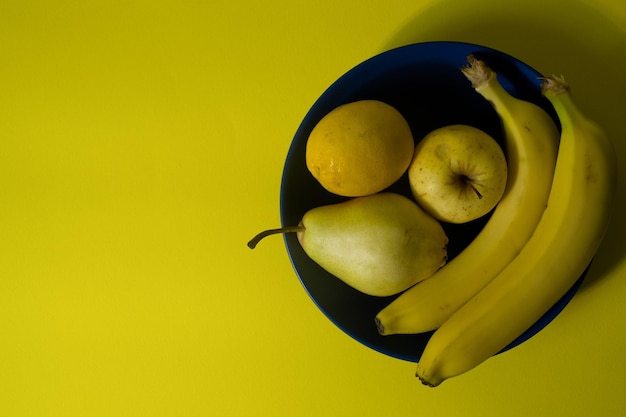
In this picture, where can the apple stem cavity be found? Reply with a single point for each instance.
(468, 181)
(287, 229)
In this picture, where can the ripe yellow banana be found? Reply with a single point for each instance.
(557, 253)
(531, 146)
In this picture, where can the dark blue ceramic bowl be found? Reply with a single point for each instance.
(424, 82)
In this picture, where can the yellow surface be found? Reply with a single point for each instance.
(142, 145)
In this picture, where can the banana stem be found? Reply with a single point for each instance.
(554, 85)
(485, 81)
(557, 90)
(287, 229)
(477, 72)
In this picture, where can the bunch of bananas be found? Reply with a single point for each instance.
(537, 243)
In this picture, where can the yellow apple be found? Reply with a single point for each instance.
(458, 173)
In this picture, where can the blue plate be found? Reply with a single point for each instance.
(424, 82)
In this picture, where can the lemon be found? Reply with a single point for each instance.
(360, 148)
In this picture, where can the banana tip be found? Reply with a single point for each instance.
(426, 383)
(379, 326)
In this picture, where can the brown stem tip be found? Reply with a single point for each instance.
(554, 84)
(477, 71)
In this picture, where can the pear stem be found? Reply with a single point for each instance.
(287, 229)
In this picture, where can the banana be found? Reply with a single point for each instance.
(531, 147)
(561, 247)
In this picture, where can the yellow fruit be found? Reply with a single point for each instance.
(360, 148)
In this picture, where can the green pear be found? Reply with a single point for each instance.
(380, 244)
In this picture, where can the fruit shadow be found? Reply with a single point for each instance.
(589, 52)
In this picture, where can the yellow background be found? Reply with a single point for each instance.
(142, 145)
